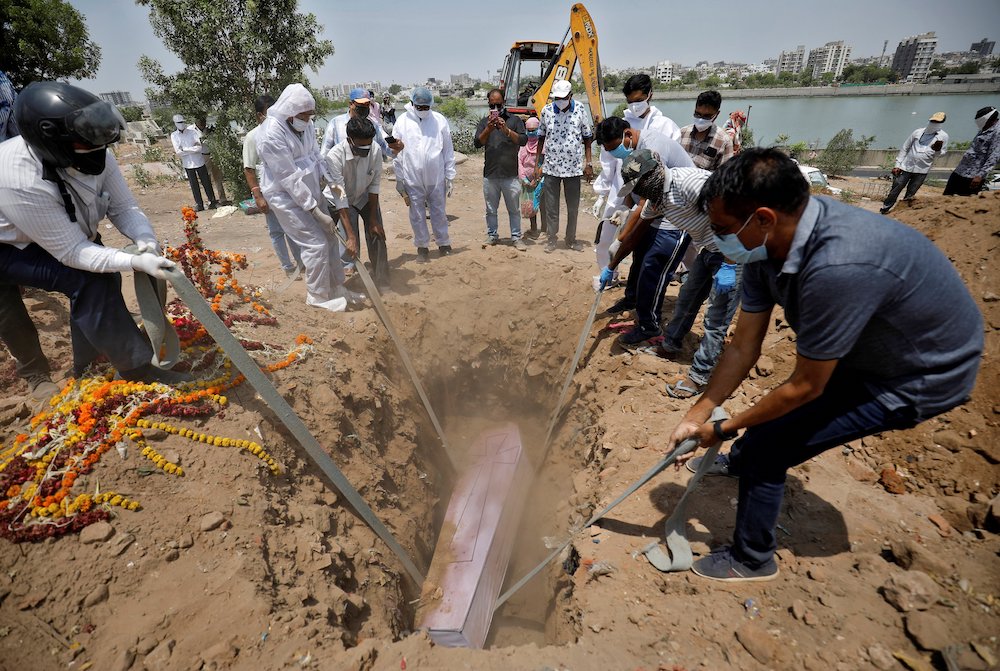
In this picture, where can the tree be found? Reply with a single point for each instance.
(232, 52)
(45, 39)
(132, 113)
(454, 108)
(394, 89)
(842, 152)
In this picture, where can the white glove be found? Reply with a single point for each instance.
(598, 208)
(619, 217)
(322, 218)
(147, 244)
(152, 265)
(613, 247)
(448, 186)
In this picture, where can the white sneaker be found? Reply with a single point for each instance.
(352, 297)
(333, 305)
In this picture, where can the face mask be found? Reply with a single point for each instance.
(299, 125)
(361, 151)
(496, 108)
(90, 162)
(562, 104)
(639, 108)
(180, 125)
(362, 111)
(621, 151)
(422, 114)
(732, 248)
(985, 119)
(703, 125)
(933, 127)
(532, 133)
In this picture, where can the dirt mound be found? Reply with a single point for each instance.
(231, 566)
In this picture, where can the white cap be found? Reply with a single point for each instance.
(561, 89)
(178, 118)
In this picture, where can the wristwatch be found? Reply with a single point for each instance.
(720, 434)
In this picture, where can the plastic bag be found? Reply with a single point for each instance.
(528, 205)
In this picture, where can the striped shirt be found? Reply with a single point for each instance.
(31, 210)
(710, 153)
(680, 206)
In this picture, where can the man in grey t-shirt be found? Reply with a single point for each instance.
(887, 336)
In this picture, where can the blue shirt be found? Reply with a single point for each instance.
(881, 298)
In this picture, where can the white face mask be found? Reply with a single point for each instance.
(562, 104)
(299, 125)
(933, 127)
(180, 125)
(422, 114)
(985, 119)
(703, 124)
(639, 108)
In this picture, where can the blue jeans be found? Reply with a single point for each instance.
(99, 321)
(698, 286)
(282, 243)
(845, 411)
(654, 261)
(493, 187)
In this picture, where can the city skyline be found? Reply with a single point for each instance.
(369, 47)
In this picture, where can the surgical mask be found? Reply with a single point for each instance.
(703, 125)
(985, 119)
(422, 114)
(639, 108)
(361, 151)
(299, 125)
(732, 248)
(532, 133)
(621, 151)
(180, 125)
(933, 127)
(90, 161)
(562, 104)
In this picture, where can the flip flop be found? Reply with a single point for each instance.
(682, 389)
(621, 326)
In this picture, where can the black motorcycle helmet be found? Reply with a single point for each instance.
(58, 120)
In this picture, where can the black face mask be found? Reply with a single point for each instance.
(362, 112)
(498, 107)
(361, 151)
(91, 163)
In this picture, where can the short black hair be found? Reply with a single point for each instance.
(640, 82)
(983, 111)
(360, 129)
(756, 177)
(492, 91)
(711, 99)
(262, 103)
(610, 129)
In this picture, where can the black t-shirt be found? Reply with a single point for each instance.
(501, 151)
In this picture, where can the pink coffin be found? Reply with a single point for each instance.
(470, 560)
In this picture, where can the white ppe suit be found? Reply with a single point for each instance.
(422, 170)
(291, 185)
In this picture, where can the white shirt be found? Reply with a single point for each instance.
(336, 132)
(654, 120)
(680, 206)
(187, 145)
(251, 159)
(353, 177)
(32, 210)
(916, 154)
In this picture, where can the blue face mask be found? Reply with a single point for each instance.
(532, 133)
(731, 247)
(621, 151)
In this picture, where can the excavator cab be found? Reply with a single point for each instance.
(524, 69)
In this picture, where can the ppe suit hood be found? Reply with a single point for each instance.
(295, 99)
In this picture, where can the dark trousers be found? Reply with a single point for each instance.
(911, 180)
(654, 261)
(99, 321)
(959, 186)
(194, 174)
(377, 251)
(844, 412)
(550, 206)
(18, 333)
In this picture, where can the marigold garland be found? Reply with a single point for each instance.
(91, 415)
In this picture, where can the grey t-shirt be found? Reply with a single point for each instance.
(881, 298)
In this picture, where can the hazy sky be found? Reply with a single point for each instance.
(404, 41)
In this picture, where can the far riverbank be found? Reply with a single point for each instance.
(830, 91)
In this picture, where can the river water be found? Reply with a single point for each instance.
(815, 120)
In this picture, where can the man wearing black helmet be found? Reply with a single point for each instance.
(57, 182)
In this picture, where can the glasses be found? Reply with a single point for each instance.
(422, 108)
(707, 117)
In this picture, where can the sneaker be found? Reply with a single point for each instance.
(199, 208)
(721, 565)
(520, 246)
(150, 373)
(532, 234)
(214, 205)
(637, 336)
(423, 255)
(444, 250)
(338, 304)
(575, 246)
(622, 305)
(491, 240)
(41, 387)
(884, 210)
(719, 467)
(550, 246)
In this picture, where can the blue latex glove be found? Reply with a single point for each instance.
(725, 278)
(606, 276)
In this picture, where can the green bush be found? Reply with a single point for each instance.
(153, 154)
(620, 110)
(454, 108)
(227, 152)
(842, 153)
(463, 133)
(141, 176)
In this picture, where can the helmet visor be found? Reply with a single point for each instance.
(97, 124)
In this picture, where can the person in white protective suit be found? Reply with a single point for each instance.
(292, 168)
(425, 170)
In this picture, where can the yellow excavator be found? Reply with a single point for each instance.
(526, 92)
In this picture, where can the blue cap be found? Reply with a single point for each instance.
(359, 94)
(421, 96)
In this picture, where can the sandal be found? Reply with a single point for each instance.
(685, 388)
